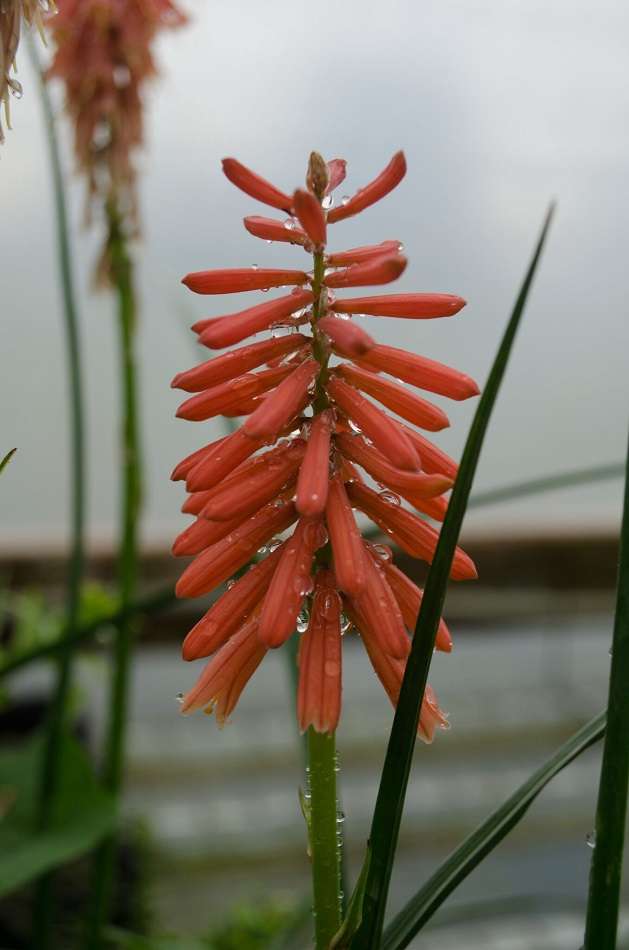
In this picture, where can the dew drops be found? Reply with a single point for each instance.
(400, 247)
(230, 583)
(354, 427)
(345, 200)
(345, 624)
(382, 551)
(327, 202)
(275, 543)
(303, 619)
(15, 88)
(269, 241)
(179, 698)
(263, 550)
(331, 668)
(254, 267)
(391, 497)
(590, 839)
(289, 224)
(121, 76)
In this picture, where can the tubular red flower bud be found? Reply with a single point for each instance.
(290, 583)
(357, 450)
(380, 270)
(413, 535)
(233, 328)
(384, 432)
(272, 230)
(223, 458)
(234, 280)
(312, 485)
(390, 672)
(288, 399)
(222, 559)
(320, 660)
(231, 609)
(409, 598)
(226, 675)
(395, 397)
(377, 602)
(345, 538)
(234, 364)
(336, 173)
(358, 255)
(385, 182)
(255, 186)
(181, 470)
(310, 215)
(347, 337)
(201, 534)
(245, 493)
(221, 398)
(420, 371)
(433, 458)
(195, 502)
(414, 306)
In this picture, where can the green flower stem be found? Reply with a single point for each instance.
(611, 812)
(122, 276)
(324, 843)
(51, 762)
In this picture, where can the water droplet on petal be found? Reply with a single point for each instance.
(345, 200)
(230, 583)
(16, 88)
(345, 624)
(400, 247)
(391, 497)
(289, 224)
(590, 839)
(275, 543)
(327, 202)
(254, 267)
(383, 552)
(179, 698)
(263, 550)
(331, 668)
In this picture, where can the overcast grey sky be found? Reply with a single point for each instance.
(499, 106)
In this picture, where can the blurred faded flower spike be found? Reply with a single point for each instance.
(104, 57)
(11, 14)
(309, 440)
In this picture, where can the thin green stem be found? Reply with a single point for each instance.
(611, 811)
(51, 766)
(122, 275)
(324, 843)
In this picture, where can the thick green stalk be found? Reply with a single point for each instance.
(611, 811)
(324, 844)
(51, 763)
(113, 765)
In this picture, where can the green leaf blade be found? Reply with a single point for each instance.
(394, 780)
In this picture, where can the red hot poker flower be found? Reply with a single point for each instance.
(316, 411)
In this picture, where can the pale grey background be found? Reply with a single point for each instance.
(498, 105)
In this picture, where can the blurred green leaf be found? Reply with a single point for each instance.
(128, 941)
(7, 458)
(481, 842)
(84, 813)
(397, 766)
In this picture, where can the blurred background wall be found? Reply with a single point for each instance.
(499, 106)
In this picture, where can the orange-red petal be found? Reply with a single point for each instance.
(385, 182)
(320, 660)
(235, 363)
(347, 337)
(254, 185)
(312, 484)
(396, 398)
(345, 539)
(288, 399)
(272, 230)
(413, 306)
(358, 255)
(420, 371)
(310, 215)
(234, 280)
(380, 270)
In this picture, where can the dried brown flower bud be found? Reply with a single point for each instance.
(317, 177)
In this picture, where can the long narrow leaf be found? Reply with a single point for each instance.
(484, 839)
(7, 458)
(611, 810)
(392, 791)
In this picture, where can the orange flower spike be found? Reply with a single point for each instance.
(376, 601)
(413, 306)
(233, 364)
(255, 186)
(217, 563)
(311, 216)
(312, 485)
(245, 493)
(221, 460)
(409, 598)
(396, 398)
(358, 255)
(271, 230)
(420, 371)
(231, 609)
(357, 450)
(380, 270)
(233, 328)
(219, 687)
(385, 433)
(234, 280)
(413, 535)
(345, 539)
(320, 660)
(347, 337)
(385, 182)
(289, 397)
(291, 582)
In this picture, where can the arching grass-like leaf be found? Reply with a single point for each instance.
(394, 780)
